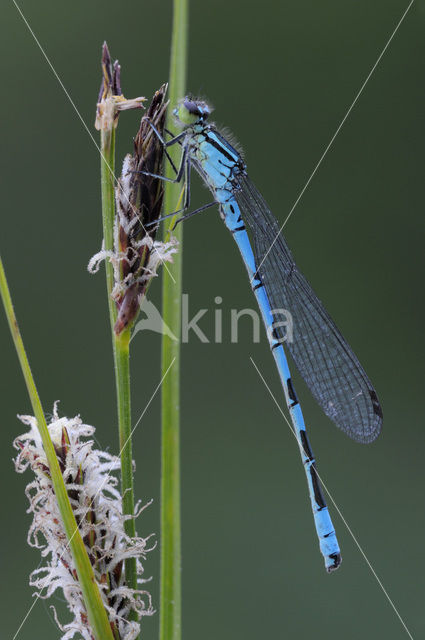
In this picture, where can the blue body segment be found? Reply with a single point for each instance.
(323, 357)
(325, 530)
(216, 163)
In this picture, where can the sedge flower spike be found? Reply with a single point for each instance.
(96, 502)
(137, 255)
(111, 100)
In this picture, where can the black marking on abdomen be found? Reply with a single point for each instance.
(241, 228)
(292, 394)
(318, 495)
(375, 403)
(337, 559)
(232, 209)
(306, 446)
(275, 345)
(257, 277)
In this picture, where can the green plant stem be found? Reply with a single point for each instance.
(92, 599)
(170, 592)
(121, 351)
(107, 173)
(122, 375)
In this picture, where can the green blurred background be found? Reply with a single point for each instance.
(281, 75)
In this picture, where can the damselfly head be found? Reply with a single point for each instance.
(190, 111)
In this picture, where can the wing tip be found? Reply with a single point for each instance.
(367, 433)
(364, 430)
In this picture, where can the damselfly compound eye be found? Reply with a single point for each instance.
(197, 108)
(190, 111)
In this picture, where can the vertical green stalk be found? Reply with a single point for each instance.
(120, 345)
(170, 595)
(122, 376)
(92, 599)
(107, 177)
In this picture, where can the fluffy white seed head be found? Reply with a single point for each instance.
(89, 475)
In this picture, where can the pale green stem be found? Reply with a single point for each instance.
(120, 345)
(107, 177)
(92, 599)
(170, 593)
